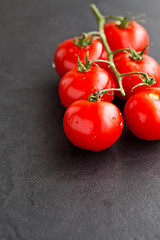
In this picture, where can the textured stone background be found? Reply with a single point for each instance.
(50, 189)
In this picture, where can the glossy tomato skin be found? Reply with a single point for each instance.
(104, 56)
(93, 126)
(124, 64)
(142, 114)
(65, 57)
(76, 85)
(134, 35)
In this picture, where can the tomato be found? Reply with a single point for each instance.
(124, 64)
(104, 65)
(65, 57)
(142, 114)
(93, 125)
(134, 35)
(76, 85)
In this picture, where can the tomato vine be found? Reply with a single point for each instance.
(146, 80)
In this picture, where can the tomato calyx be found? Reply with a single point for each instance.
(146, 80)
(134, 55)
(85, 67)
(97, 95)
(83, 40)
(123, 22)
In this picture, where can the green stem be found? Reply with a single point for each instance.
(135, 73)
(99, 60)
(81, 67)
(91, 33)
(119, 18)
(121, 50)
(96, 96)
(101, 21)
(148, 81)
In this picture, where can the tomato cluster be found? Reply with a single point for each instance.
(90, 79)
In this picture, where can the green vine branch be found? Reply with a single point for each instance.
(144, 77)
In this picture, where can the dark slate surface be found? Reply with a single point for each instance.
(49, 189)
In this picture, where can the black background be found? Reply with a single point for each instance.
(50, 189)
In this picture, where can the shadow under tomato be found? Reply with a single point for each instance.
(119, 103)
(137, 152)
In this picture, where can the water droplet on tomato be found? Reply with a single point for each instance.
(121, 124)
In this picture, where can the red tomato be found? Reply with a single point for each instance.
(142, 114)
(104, 56)
(124, 64)
(134, 35)
(92, 125)
(76, 85)
(65, 57)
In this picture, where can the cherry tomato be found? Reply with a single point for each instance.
(76, 85)
(93, 125)
(104, 56)
(142, 114)
(65, 57)
(134, 35)
(124, 64)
